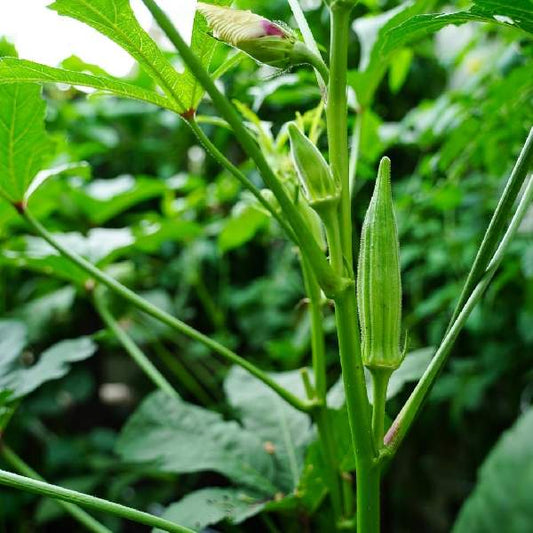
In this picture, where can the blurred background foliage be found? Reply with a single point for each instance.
(137, 194)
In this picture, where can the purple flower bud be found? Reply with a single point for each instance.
(263, 40)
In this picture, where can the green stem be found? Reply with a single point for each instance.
(337, 119)
(368, 499)
(321, 415)
(358, 409)
(354, 153)
(345, 302)
(131, 348)
(333, 234)
(330, 282)
(497, 223)
(183, 374)
(162, 316)
(232, 169)
(79, 514)
(91, 502)
(403, 422)
(380, 381)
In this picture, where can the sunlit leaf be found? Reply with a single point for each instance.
(24, 144)
(19, 70)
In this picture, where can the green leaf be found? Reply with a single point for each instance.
(18, 70)
(100, 246)
(209, 506)
(373, 33)
(116, 20)
(399, 69)
(182, 438)
(52, 364)
(103, 199)
(203, 46)
(274, 421)
(242, 227)
(24, 143)
(503, 497)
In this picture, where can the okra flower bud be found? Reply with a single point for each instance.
(315, 174)
(379, 291)
(265, 41)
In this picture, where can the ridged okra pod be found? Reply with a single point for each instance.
(379, 279)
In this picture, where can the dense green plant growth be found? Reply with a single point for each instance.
(309, 295)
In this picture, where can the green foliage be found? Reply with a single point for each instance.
(127, 187)
(206, 507)
(503, 496)
(182, 438)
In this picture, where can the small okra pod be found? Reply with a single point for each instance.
(321, 188)
(379, 291)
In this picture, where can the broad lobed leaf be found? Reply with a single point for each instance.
(175, 436)
(116, 20)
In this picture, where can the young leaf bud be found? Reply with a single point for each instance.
(379, 291)
(265, 41)
(315, 174)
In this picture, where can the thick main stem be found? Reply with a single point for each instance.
(337, 118)
(357, 404)
(358, 412)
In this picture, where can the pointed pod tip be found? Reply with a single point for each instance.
(385, 166)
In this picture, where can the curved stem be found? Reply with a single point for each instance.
(98, 504)
(79, 514)
(495, 229)
(403, 422)
(164, 317)
(131, 348)
(328, 280)
(232, 169)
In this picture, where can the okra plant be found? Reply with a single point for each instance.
(302, 447)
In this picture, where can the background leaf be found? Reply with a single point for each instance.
(209, 506)
(182, 438)
(274, 421)
(503, 497)
(52, 364)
